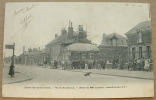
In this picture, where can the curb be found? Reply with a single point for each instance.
(28, 79)
(118, 75)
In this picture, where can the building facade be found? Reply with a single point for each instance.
(81, 51)
(32, 57)
(140, 41)
(113, 46)
(55, 48)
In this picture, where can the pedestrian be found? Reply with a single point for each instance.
(142, 63)
(69, 64)
(52, 64)
(73, 65)
(90, 65)
(103, 64)
(130, 64)
(98, 65)
(134, 65)
(55, 64)
(63, 65)
(147, 64)
(121, 63)
(45, 64)
(11, 70)
(66, 64)
(113, 63)
(86, 65)
(94, 64)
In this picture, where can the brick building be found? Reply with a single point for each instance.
(140, 40)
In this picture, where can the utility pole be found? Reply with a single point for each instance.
(13, 54)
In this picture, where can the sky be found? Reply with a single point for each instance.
(35, 24)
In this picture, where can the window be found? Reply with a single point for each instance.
(91, 55)
(140, 52)
(133, 52)
(148, 51)
(139, 36)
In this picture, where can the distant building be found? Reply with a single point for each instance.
(32, 56)
(140, 40)
(56, 47)
(113, 45)
(113, 39)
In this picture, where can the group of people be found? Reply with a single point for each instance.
(142, 64)
(78, 64)
(117, 63)
(89, 64)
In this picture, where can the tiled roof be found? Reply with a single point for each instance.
(145, 25)
(82, 47)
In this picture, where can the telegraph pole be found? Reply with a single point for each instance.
(13, 54)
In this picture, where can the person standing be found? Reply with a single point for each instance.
(55, 64)
(103, 64)
(66, 64)
(121, 63)
(99, 65)
(86, 65)
(63, 64)
(113, 63)
(11, 70)
(94, 63)
(147, 64)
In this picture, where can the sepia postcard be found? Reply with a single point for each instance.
(77, 50)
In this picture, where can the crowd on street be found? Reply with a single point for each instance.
(142, 64)
(79, 64)
(116, 63)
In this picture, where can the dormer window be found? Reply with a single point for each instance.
(139, 35)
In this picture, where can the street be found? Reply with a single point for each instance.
(46, 82)
(58, 76)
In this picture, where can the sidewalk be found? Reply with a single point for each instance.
(120, 73)
(18, 76)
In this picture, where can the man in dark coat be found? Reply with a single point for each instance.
(11, 71)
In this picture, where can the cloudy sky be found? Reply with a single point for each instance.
(35, 24)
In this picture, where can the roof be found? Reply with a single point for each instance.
(145, 25)
(55, 40)
(82, 47)
(58, 38)
(34, 52)
(114, 34)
